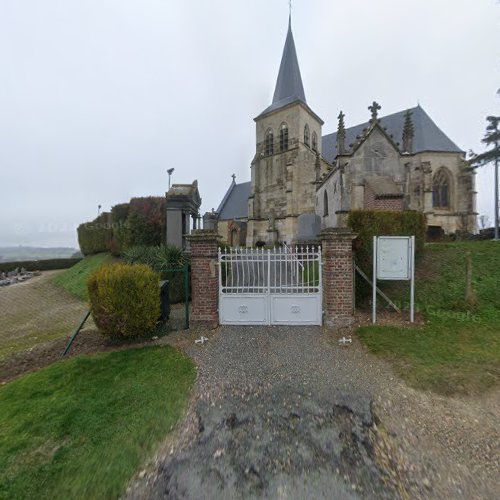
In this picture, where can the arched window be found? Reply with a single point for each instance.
(306, 135)
(441, 189)
(283, 137)
(325, 204)
(314, 142)
(269, 143)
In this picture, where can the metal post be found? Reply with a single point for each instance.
(269, 285)
(186, 293)
(496, 192)
(374, 293)
(412, 282)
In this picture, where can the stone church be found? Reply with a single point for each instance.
(302, 181)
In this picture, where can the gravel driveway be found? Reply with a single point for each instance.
(281, 412)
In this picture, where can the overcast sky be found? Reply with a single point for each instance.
(98, 98)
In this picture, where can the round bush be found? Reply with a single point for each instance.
(125, 300)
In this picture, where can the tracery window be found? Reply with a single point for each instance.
(441, 189)
(269, 146)
(314, 142)
(284, 137)
(306, 135)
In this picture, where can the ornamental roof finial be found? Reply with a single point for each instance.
(374, 108)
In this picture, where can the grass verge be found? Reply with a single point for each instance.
(81, 428)
(75, 278)
(458, 349)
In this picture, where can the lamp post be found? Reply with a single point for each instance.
(170, 172)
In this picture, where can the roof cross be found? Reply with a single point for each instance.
(374, 108)
(234, 177)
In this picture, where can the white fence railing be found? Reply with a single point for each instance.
(290, 270)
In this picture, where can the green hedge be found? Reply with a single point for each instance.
(39, 265)
(95, 237)
(369, 223)
(125, 300)
(147, 221)
(140, 222)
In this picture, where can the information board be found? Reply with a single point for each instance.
(394, 257)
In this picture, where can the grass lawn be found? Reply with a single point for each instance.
(458, 349)
(81, 428)
(75, 278)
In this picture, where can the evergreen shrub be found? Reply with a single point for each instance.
(125, 300)
(369, 223)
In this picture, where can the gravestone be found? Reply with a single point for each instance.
(309, 227)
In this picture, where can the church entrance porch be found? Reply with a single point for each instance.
(282, 286)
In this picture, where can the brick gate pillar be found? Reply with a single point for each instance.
(338, 278)
(204, 278)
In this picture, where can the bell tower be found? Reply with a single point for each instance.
(288, 148)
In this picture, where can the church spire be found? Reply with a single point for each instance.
(289, 84)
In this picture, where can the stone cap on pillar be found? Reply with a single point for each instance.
(337, 233)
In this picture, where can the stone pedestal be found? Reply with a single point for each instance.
(204, 278)
(338, 277)
(272, 237)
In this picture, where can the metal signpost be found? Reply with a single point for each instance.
(394, 259)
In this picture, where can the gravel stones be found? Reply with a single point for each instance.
(275, 419)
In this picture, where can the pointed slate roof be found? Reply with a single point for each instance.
(427, 135)
(234, 205)
(289, 86)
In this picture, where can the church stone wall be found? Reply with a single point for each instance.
(414, 173)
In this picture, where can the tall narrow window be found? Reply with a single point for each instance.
(269, 143)
(325, 204)
(441, 189)
(306, 135)
(283, 137)
(314, 142)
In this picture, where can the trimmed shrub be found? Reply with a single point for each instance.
(95, 237)
(147, 221)
(125, 300)
(119, 239)
(369, 223)
(39, 265)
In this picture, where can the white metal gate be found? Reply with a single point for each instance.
(270, 287)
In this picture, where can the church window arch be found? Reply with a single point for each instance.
(283, 137)
(314, 142)
(307, 135)
(269, 142)
(441, 189)
(325, 203)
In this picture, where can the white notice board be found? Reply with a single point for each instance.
(394, 257)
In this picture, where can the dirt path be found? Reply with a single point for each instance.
(287, 412)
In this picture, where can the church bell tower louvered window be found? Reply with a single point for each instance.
(284, 137)
(269, 147)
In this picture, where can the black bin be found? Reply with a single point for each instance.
(164, 300)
